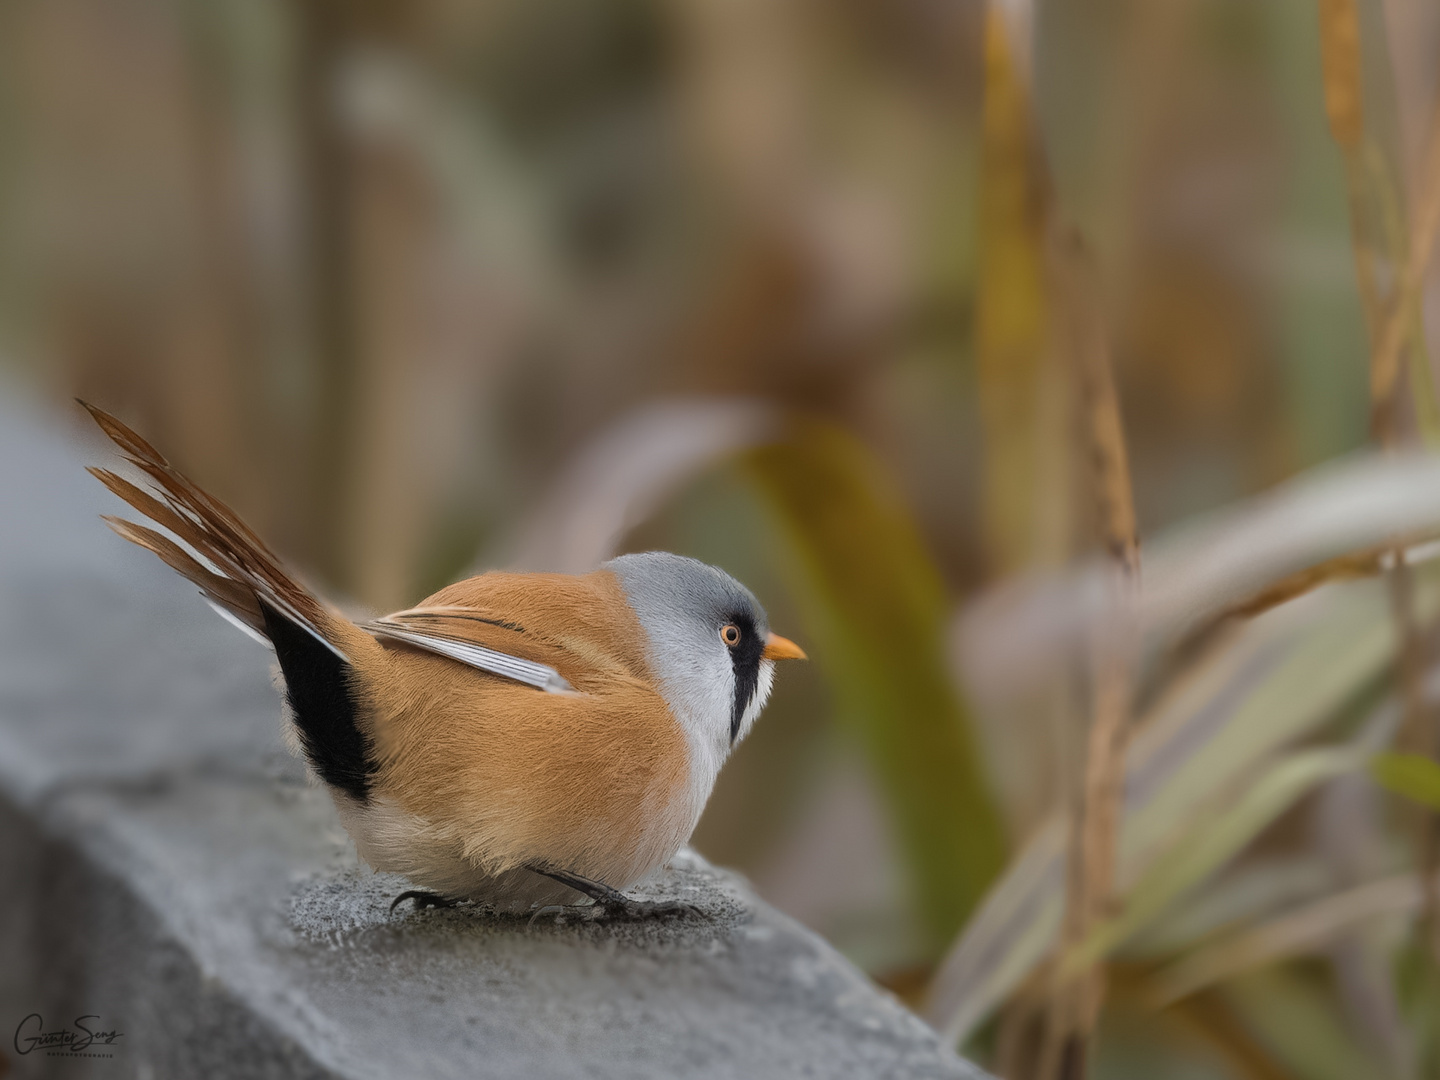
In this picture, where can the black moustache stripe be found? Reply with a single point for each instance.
(746, 659)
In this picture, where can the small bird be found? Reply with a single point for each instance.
(522, 739)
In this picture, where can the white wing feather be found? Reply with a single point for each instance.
(540, 676)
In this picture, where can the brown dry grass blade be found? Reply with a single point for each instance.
(1095, 827)
(1385, 366)
(1342, 568)
(1340, 60)
(1393, 326)
(1076, 282)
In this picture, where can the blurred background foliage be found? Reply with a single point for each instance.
(422, 288)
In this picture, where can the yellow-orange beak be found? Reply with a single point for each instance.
(782, 648)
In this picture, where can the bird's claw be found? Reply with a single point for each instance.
(610, 903)
(423, 899)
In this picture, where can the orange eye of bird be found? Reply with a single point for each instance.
(730, 634)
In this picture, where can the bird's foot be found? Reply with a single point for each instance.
(423, 899)
(611, 905)
(625, 908)
(622, 910)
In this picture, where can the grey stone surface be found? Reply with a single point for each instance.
(165, 866)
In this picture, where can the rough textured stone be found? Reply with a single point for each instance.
(165, 866)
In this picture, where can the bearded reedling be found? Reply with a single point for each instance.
(520, 739)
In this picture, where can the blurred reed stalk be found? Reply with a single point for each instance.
(1420, 735)
(1022, 395)
(1394, 324)
(1028, 278)
(1021, 400)
(1095, 822)
(1344, 104)
(1401, 326)
(1378, 238)
(324, 32)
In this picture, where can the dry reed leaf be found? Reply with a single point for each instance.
(1320, 668)
(1218, 835)
(619, 478)
(1029, 631)
(1247, 894)
(1010, 934)
(1281, 679)
(1294, 933)
(1342, 568)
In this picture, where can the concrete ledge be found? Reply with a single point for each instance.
(165, 867)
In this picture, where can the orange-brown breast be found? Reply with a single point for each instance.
(517, 775)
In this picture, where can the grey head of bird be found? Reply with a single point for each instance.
(709, 645)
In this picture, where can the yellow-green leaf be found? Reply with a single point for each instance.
(875, 611)
(1412, 775)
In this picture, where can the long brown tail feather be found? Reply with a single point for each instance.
(245, 571)
(231, 595)
(162, 514)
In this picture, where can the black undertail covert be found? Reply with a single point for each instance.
(318, 688)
